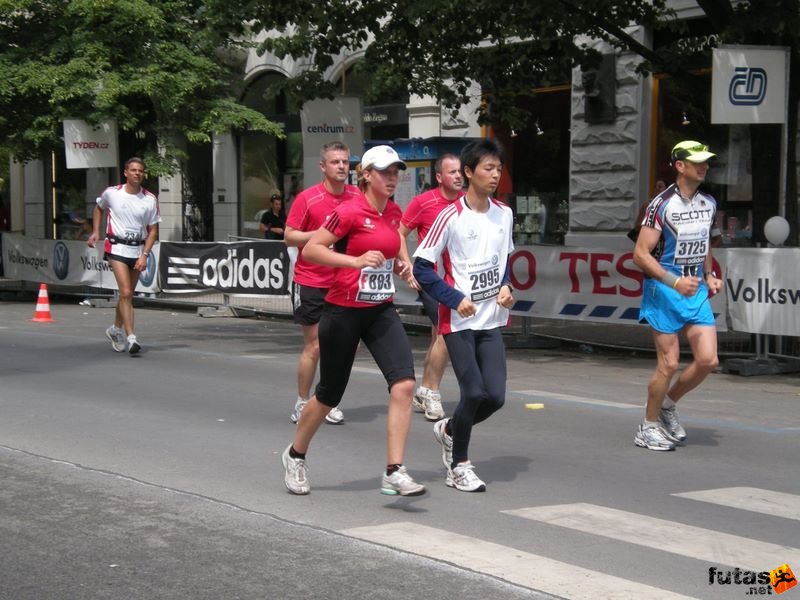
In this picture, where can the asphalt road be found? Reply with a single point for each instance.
(159, 475)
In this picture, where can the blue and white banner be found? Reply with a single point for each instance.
(749, 85)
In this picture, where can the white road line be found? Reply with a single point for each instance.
(668, 536)
(768, 502)
(581, 399)
(528, 570)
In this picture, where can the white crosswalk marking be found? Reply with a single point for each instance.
(669, 536)
(528, 570)
(768, 502)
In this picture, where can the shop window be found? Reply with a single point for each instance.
(539, 168)
(268, 164)
(744, 178)
(71, 214)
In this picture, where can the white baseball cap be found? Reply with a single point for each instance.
(381, 158)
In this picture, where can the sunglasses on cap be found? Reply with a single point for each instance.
(684, 153)
(275, 197)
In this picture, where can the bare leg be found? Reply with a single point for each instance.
(435, 361)
(310, 419)
(398, 421)
(667, 357)
(307, 363)
(703, 341)
(127, 279)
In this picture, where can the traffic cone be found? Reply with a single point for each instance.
(42, 314)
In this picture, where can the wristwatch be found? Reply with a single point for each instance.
(508, 285)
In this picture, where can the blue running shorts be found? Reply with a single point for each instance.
(667, 311)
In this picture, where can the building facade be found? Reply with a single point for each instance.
(577, 173)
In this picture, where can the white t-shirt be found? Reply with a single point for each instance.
(474, 249)
(129, 215)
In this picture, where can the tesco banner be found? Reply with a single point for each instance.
(67, 262)
(585, 284)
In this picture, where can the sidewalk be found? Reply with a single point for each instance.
(583, 336)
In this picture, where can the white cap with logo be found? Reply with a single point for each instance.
(381, 158)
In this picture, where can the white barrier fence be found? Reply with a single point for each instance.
(762, 286)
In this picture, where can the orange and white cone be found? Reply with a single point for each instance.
(42, 314)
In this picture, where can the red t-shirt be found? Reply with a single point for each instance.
(360, 228)
(422, 211)
(310, 210)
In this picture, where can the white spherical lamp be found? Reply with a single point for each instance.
(776, 230)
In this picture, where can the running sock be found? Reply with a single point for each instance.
(392, 468)
(295, 454)
(647, 423)
(668, 402)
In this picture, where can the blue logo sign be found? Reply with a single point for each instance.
(61, 260)
(748, 86)
(149, 274)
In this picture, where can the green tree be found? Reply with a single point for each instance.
(510, 47)
(157, 66)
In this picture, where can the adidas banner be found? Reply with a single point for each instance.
(236, 267)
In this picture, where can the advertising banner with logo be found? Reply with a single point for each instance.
(604, 285)
(67, 262)
(90, 146)
(763, 286)
(749, 85)
(236, 267)
(578, 283)
(324, 121)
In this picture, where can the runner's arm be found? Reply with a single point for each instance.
(428, 278)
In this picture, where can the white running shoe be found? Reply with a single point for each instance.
(295, 473)
(335, 416)
(418, 399)
(672, 426)
(133, 344)
(298, 409)
(117, 338)
(652, 437)
(400, 483)
(463, 478)
(440, 433)
(428, 401)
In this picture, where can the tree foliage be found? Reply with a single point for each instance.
(158, 67)
(440, 47)
(511, 47)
